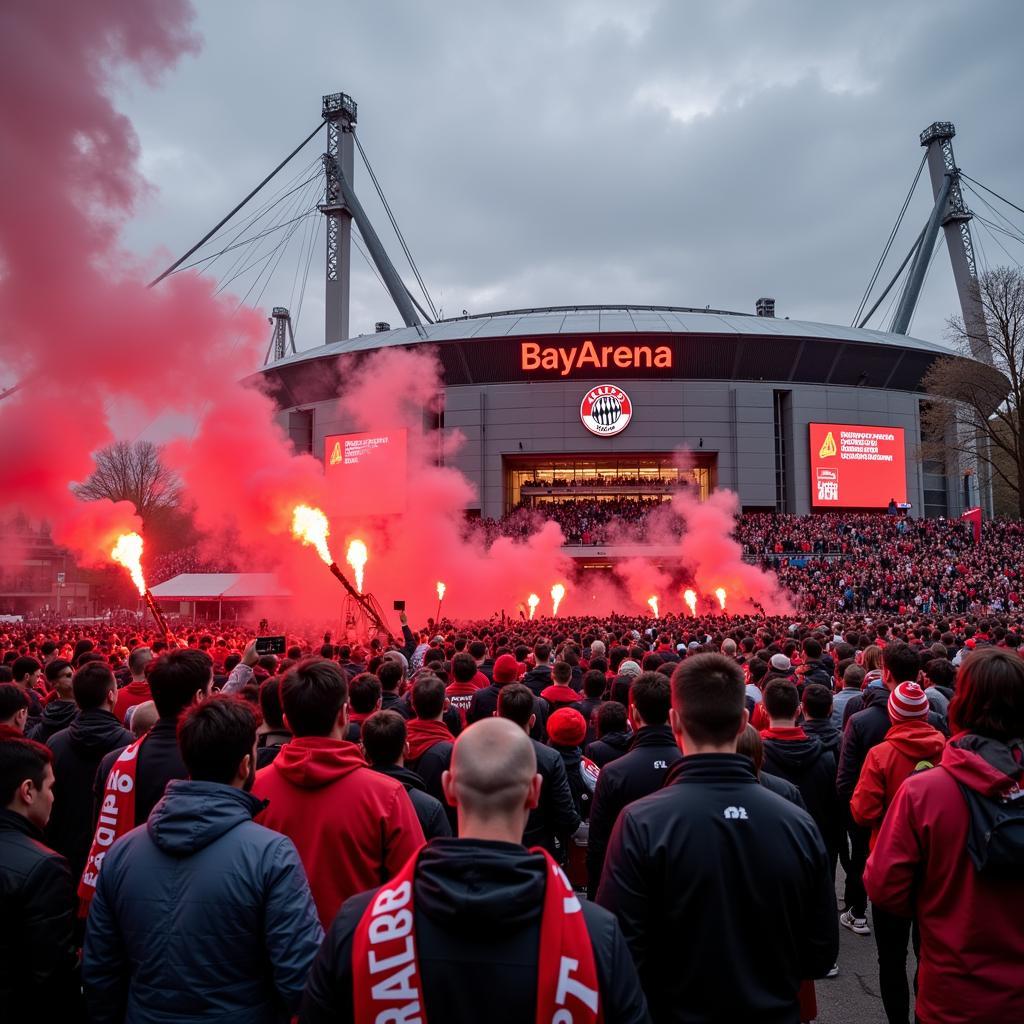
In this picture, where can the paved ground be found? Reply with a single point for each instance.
(852, 996)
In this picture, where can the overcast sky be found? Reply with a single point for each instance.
(546, 153)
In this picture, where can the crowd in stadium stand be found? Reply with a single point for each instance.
(879, 748)
(184, 560)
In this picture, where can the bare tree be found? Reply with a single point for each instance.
(133, 472)
(974, 417)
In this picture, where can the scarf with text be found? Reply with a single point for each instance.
(117, 817)
(387, 984)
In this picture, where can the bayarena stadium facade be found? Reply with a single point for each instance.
(597, 401)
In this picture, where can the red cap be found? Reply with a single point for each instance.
(506, 669)
(567, 727)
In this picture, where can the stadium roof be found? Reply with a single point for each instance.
(580, 320)
(219, 586)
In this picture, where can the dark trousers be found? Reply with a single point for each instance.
(892, 934)
(855, 895)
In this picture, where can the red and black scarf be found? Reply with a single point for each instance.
(388, 984)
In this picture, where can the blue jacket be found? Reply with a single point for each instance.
(200, 915)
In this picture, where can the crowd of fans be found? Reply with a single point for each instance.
(184, 560)
(171, 853)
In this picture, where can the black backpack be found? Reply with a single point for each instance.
(995, 834)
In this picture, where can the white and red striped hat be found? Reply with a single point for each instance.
(906, 702)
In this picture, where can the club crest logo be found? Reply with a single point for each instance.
(606, 410)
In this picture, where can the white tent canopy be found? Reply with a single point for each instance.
(219, 586)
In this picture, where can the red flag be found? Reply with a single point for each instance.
(973, 515)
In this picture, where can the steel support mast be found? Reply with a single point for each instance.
(339, 111)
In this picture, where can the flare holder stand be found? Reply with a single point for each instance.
(365, 602)
(157, 615)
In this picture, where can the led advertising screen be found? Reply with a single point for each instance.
(857, 467)
(368, 471)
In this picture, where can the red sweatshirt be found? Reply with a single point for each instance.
(972, 943)
(353, 827)
(130, 695)
(422, 735)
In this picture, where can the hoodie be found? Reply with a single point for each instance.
(77, 753)
(232, 886)
(560, 696)
(477, 914)
(803, 760)
(430, 812)
(353, 827)
(972, 944)
(57, 715)
(610, 746)
(908, 747)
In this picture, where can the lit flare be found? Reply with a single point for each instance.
(720, 594)
(653, 602)
(310, 526)
(533, 600)
(440, 591)
(690, 597)
(557, 594)
(128, 552)
(356, 558)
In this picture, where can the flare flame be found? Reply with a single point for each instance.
(356, 558)
(690, 597)
(533, 600)
(310, 526)
(557, 594)
(653, 602)
(720, 594)
(128, 552)
(440, 591)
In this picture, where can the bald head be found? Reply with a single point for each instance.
(493, 769)
(144, 717)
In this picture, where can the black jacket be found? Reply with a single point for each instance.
(38, 975)
(77, 752)
(863, 730)
(268, 744)
(724, 894)
(830, 736)
(430, 811)
(57, 715)
(477, 918)
(640, 771)
(783, 787)
(555, 816)
(610, 746)
(581, 785)
(814, 672)
(812, 769)
(159, 761)
(537, 679)
(392, 702)
(588, 709)
(484, 704)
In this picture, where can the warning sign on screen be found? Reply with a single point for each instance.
(369, 471)
(857, 466)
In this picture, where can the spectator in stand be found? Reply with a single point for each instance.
(60, 710)
(244, 931)
(910, 745)
(77, 753)
(137, 690)
(384, 744)
(505, 916)
(352, 826)
(714, 845)
(38, 961)
(940, 859)
(642, 770)
(613, 734)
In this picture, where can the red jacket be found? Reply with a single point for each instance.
(561, 696)
(972, 942)
(353, 827)
(128, 696)
(906, 745)
(460, 696)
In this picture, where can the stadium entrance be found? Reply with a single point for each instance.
(534, 481)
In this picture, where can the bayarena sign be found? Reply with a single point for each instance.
(606, 410)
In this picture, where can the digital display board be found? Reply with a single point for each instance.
(857, 467)
(369, 471)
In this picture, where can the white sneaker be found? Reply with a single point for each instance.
(833, 971)
(858, 925)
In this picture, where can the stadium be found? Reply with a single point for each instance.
(752, 399)
(607, 403)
